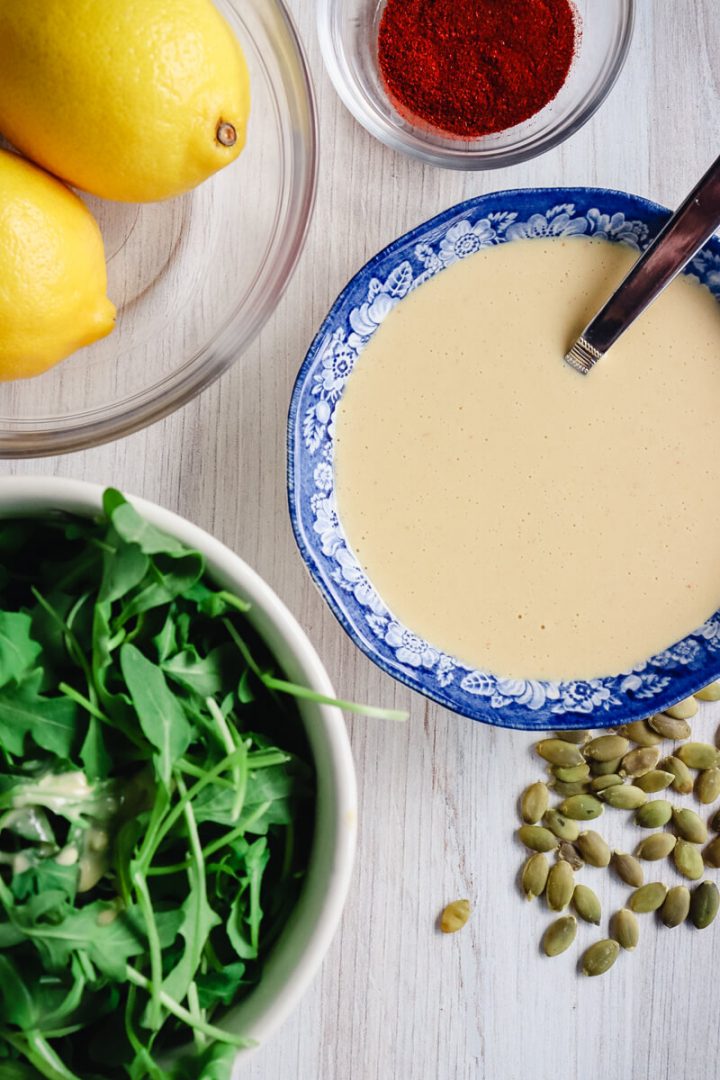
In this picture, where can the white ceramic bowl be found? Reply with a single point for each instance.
(299, 951)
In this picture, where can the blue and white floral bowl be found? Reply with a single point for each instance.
(355, 316)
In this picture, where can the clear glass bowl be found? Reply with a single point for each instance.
(348, 32)
(194, 278)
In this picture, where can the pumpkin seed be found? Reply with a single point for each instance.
(684, 709)
(625, 929)
(676, 906)
(653, 815)
(607, 748)
(560, 886)
(711, 692)
(697, 755)
(657, 846)
(640, 761)
(534, 802)
(654, 781)
(559, 935)
(670, 727)
(627, 797)
(563, 827)
(688, 860)
(690, 826)
(582, 807)
(711, 854)
(593, 848)
(605, 768)
(578, 787)
(683, 781)
(599, 783)
(569, 853)
(586, 904)
(454, 916)
(707, 785)
(715, 821)
(639, 732)
(534, 876)
(573, 735)
(704, 904)
(648, 898)
(572, 774)
(537, 838)
(628, 869)
(559, 752)
(600, 957)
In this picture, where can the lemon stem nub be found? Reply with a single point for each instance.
(226, 134)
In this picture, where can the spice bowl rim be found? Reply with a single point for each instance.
(455, 153)
(531, 704)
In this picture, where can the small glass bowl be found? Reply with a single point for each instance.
(348, 32)
(194, 278)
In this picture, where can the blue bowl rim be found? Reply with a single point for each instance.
(654, 215)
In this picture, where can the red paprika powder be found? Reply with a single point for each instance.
(471, 67)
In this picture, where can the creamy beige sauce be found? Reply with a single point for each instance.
(520, 516)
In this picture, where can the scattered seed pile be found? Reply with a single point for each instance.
(624, 770)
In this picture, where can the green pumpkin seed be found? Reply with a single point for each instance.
(563, 827)
(655, 814)
(690, 826)
(648, 898)
(711, 854)
(569, 853)
(628, 869)
(704, 904)
(715, 821)
(559, 935)
(582, 807)
(559, 752)
(587, 904)
(607, 748)
(578, 787)
(534, 876)
(711, 692)
(670, 727)
(697, 755)
(600, 957)
(593, 848)
(707, 785)
(625, 929)
(654, 781)
(640, 761)
(560, 886)
(639, 732)
(537, 838)
(534, 802)
(599, 783)
(676, 906)
(657, 846)
(573, 774)
(684, 709)
(683, 781)
(688, 860)
(454, 916)
(627, 797)
(573, 735)
(605, 768)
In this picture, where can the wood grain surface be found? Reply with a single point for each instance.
(396, 1000)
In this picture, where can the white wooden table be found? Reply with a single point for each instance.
(396, 1000)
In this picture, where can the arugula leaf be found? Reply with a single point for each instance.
(220, 987)
(18, 1004)
(18, 651)
(161, 716)
(215, 1063)
(93, 752)
(123, 570)
(52, 722)
(204, 675)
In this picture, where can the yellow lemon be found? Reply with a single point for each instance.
(52, 271)
(134, 100)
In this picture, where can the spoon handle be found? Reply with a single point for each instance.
(688, 229)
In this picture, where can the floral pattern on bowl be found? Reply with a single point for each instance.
(355, 316)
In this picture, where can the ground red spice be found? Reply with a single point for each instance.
(471, 67)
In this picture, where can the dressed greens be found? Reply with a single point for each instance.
(156, 802)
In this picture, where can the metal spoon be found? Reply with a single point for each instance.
(685, 233)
